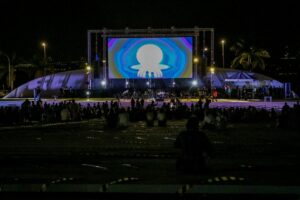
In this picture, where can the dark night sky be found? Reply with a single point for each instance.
(63, 24)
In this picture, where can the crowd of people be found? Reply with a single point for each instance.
(118, 116)
(195, 148)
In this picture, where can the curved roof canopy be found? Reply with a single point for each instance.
(77, 79)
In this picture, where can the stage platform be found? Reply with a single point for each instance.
(220, 103)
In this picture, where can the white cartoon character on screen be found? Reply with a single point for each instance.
(149, 56)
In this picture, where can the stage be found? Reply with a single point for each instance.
(220, 103)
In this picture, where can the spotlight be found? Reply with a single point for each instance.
(195, 82)
(88, 93)
(196, 60)
(127, 83)
(173, 83)
(148, 83)
(103, 83)
(88, 68)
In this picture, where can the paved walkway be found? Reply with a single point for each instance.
(221, 103)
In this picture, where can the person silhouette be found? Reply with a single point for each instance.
(195, 148)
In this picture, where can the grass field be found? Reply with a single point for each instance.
(85, 152)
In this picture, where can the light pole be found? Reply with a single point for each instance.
(9, 70)
(196, 61)
(223, 55)
(44, 46)
(88, 71)
(205, 56)
(212, 71)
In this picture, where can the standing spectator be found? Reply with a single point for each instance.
(132, 103)
(244, 91)
(215, 94)
(62, 92)
(37, 93)
(228, 91)
(25, 111)
(142, 102)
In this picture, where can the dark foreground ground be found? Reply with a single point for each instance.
(83, 156)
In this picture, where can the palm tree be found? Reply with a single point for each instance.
(248, 57)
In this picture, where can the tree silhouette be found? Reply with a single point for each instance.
(248, 57)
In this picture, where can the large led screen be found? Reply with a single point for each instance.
(150, 57)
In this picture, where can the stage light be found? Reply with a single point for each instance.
(88, 68)
(194, 82)
(212, 71)
(103, 83)
(127, 83)
(103, 61)
(147, 83)
(173, 83)
(88, 93)
(196, 60)
(205, 49)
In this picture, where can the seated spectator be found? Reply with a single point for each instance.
(65, 114)
(195, 148)
(161, 117)
(221, 122)
(123, 119)
(112, 119)
(209, 121)
(149, 117)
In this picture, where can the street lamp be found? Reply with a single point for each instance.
(223, 55)
(204, 55)
(88, 69)
(9, 70)
(44, 45)
(196, 61)
(212, 71)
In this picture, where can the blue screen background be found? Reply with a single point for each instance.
(177, 55)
